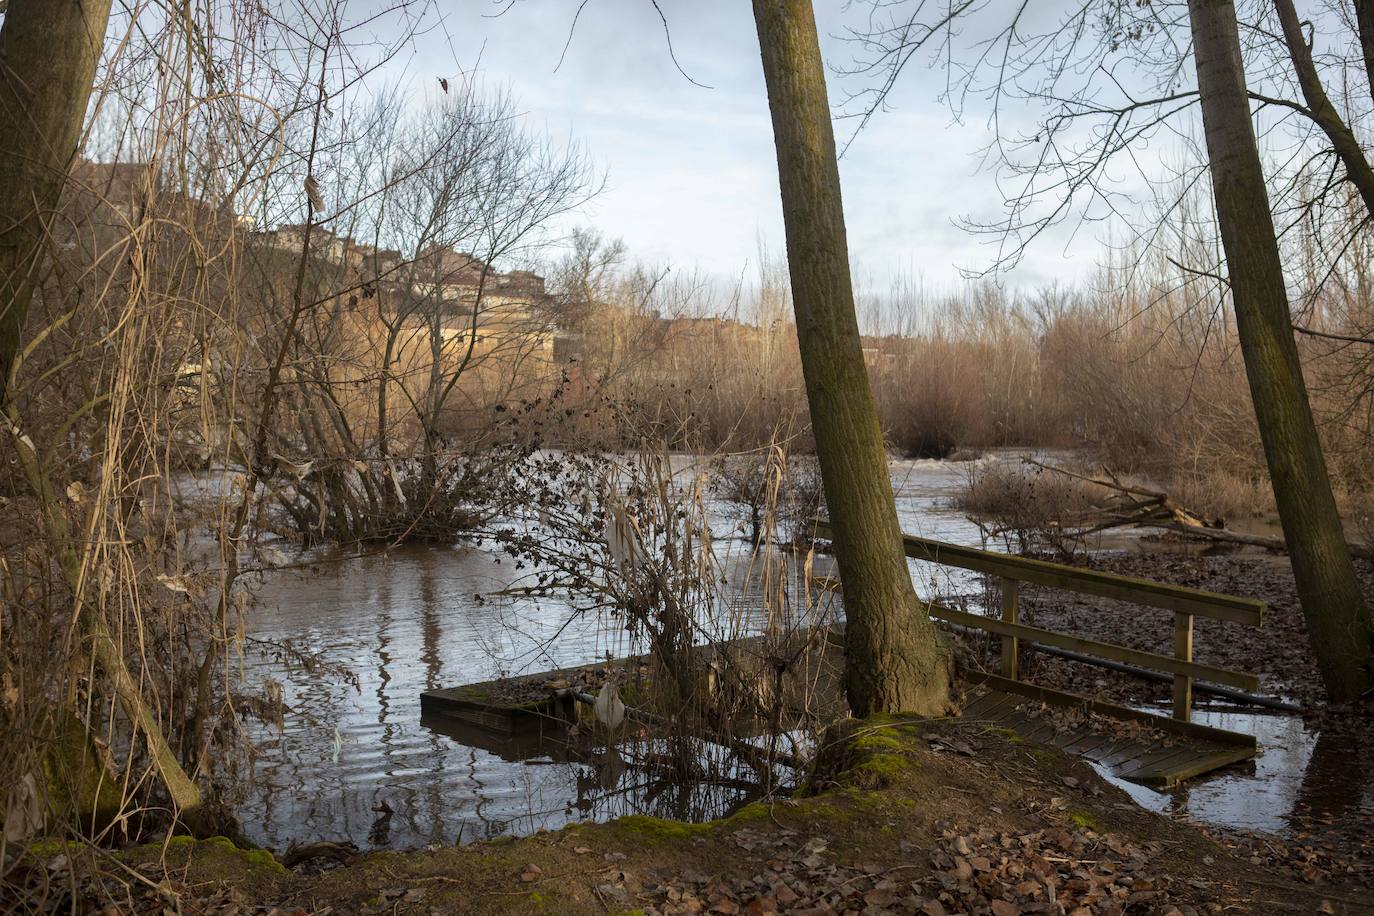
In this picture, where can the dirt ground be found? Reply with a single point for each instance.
(897, 821)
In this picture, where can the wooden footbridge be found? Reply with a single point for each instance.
(1172, 748)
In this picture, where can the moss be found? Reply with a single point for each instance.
(46, 849)
(654, 830)
(253, 858)
(262, 859)
(751, 812)
(76, 775)
(879, 771)
(830, 812)
(540, 900)
(1083, 819)
(470, 692)
(878, 754)
(878, 743)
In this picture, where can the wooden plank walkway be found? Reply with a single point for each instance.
(1160, 761)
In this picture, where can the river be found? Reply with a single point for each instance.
(354, 762)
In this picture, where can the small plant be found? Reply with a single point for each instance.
(1027, 508)
(775, 496)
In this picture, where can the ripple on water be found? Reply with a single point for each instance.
(356, 763)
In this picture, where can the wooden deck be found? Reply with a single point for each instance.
(1160, 762)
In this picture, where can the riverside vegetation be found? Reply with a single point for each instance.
(352, 314)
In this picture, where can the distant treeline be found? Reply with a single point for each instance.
(1140, 370)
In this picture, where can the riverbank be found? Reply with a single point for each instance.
(895, 823)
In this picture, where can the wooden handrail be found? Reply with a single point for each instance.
(1010, 570)
(1239, 679)
(1177, 598)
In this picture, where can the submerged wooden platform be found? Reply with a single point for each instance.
(1145, 748)
(1161, 759)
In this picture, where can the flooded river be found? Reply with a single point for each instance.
(356, 763)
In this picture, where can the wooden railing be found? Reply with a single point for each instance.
(1185, 604)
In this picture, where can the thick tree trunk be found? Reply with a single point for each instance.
(48, 54)
(894, 661)
(1338, 622)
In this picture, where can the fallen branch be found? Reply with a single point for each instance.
(1154, 507)
(1157, 510)
(1362, 551)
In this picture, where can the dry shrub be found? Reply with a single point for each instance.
(629, 539)
(1028, 508)
(773, 499)
(1223, 494)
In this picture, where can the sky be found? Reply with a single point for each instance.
(691, 171)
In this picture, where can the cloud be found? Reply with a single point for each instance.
(692, 174)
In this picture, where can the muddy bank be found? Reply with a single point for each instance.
(897, 824)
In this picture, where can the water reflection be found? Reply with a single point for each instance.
(359, 764)
(1302, 782)
(1335, 786)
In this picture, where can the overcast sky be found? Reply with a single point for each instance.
(692, 173)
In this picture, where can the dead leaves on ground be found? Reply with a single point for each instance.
(1055, 870)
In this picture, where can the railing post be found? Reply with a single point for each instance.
(1010, 612)
(1183, 649)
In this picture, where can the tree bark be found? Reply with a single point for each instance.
(49, 50)
(1364, 22)
(1320, 109)
(894, 661)
(48, 55)
(1338, 621)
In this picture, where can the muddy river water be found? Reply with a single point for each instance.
(356, 762)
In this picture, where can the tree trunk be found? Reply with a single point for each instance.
(1338, 622)
(49, 50)
(1320, 109)
(894, 661)
(1364, 22)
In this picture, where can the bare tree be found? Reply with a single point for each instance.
(1134, 90)
(1337, 619)
(893, 658)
